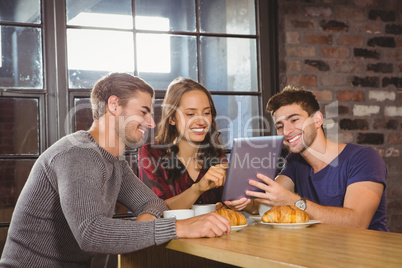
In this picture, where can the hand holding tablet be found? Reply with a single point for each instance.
(249, 157)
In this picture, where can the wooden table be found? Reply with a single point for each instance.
(259, 245)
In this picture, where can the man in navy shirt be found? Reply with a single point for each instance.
(335, 183)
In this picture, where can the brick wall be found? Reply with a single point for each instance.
(349, 52)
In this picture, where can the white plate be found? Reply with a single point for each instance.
(238, 227)
(255, 218)
(291, 225)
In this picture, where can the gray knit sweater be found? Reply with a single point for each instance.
(64, 213)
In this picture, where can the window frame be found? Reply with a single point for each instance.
(266, 21)
(56, 98)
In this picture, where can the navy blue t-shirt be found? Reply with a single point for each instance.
(328, 186)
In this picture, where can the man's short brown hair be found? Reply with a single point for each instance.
(122, 85)
(293, 95)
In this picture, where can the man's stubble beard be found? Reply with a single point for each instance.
(125, 134)
(308, 137)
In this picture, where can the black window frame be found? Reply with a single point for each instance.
(56, 99)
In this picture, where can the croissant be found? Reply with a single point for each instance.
(235, 218)
(285, 214)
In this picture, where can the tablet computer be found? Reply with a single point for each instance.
(249, 157)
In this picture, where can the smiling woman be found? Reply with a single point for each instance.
(192, 118)
(184, 167)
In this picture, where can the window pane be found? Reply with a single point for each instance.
(82, 114)
(20, 11)
(94, 53)
(19, 129)
(230, 17)
(180, 15)
(223, 68)
(13, 174)
(101, 13)
(237, 116)
(21, 61)
(163, 57)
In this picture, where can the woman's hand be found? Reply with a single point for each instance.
(238, 204)
(219, 205)
(215, 177)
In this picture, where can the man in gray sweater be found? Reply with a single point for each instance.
(64, 213)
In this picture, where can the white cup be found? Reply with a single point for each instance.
(263, 208)
(203, 209)
(179, 214)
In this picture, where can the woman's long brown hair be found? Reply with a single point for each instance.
(210, 148)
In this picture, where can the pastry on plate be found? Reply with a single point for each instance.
(285, 214)
(235, 218)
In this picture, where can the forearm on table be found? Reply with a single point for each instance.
(184, 200)
(359, 206)
(340, 216)
(138, 198)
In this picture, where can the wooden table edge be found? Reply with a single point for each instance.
(224, 256)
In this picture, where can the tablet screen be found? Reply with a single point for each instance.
(249, 157)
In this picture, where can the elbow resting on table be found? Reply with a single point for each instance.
(90, 240)
(359, 221)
